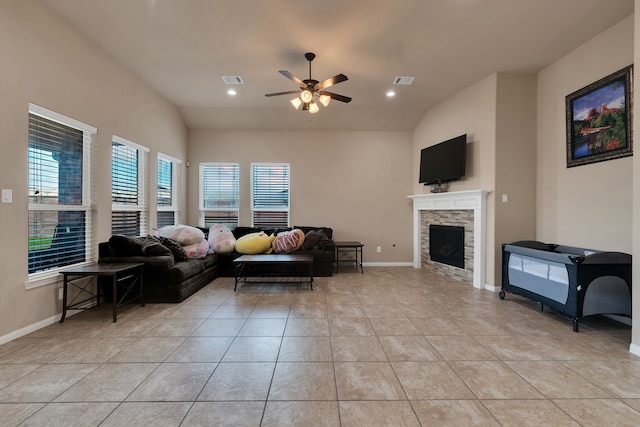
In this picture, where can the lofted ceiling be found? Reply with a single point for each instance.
(181, 48)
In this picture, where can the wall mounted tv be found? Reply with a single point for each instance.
(443, 162)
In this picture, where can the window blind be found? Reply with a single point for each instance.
(167, 189)
(59, 217)
(270, 194)
(128, 178)
(219, 194)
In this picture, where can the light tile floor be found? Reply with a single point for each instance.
(392, 346)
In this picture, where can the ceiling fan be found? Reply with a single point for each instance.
(310, 89)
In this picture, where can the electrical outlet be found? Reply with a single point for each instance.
(60, 293)
(379, 249)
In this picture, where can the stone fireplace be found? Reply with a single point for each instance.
(466, 209)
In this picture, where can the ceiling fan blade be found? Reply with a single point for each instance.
(282, 93)
(331, 81)
(336, 96)
(292, 77)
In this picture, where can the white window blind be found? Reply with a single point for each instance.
(167, 197)
(270, 195)
(128, 184)
(60, 218)
(219, 194)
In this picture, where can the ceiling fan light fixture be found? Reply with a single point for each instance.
(324, 100)
(313, 107)
(306, 95)
(296, 102)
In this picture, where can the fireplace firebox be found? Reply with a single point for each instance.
(446, 244)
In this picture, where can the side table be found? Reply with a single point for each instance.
(352, 252)
(127, 275)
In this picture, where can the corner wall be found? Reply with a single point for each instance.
(46, 62)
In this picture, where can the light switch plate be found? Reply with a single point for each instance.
(7, 195)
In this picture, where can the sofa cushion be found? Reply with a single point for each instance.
(176, 249)
(306, 228)
(243, 231)
(182, 271)
(151, 246)
(315, 239)
(123, 246)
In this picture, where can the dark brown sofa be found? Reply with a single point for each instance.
(165, 280)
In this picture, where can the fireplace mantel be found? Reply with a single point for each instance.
(475, 200)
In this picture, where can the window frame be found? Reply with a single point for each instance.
(175, 185)
(258, 209)
(142, 189)
(203, 210)
(89, 137)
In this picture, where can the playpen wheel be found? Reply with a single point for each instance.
(501, 294)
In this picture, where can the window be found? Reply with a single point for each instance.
(270, 195)
(219, 194)
(168, 169)
(60, 231)
(128, 178)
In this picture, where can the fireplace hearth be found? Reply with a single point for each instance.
(446, 244)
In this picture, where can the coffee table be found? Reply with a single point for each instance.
(271, 268)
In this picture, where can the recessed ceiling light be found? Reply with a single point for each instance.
(232, 92)
(390, 94)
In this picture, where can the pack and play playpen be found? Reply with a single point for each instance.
(577, 282)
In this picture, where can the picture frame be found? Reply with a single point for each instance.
(599, 120)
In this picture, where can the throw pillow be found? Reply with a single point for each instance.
(123, 246)
(176, 249)
(197, 250)
(183, 234)
(221, 239)
(151, 246)
(315, 239)
(288, 241)
(254, 243)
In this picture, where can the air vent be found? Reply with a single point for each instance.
(402, 80)
(233, 80)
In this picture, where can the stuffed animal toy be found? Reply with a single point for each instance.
(221, 239)
(288, 241)
(254, 243)
(197, 250)
(183, 234)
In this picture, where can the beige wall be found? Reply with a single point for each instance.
(515, 175)
(471, 111)
(47, 63)
(587, 206)
(354, 182)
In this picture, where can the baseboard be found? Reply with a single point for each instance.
(634, 349)
(387, 264)
(34, 327)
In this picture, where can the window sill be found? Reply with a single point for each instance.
(43, 279)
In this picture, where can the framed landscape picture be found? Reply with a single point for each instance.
(599, 120)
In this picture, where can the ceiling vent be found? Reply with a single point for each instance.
(403, 80)
(233, 80)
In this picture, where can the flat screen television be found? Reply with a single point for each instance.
(443, 162)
